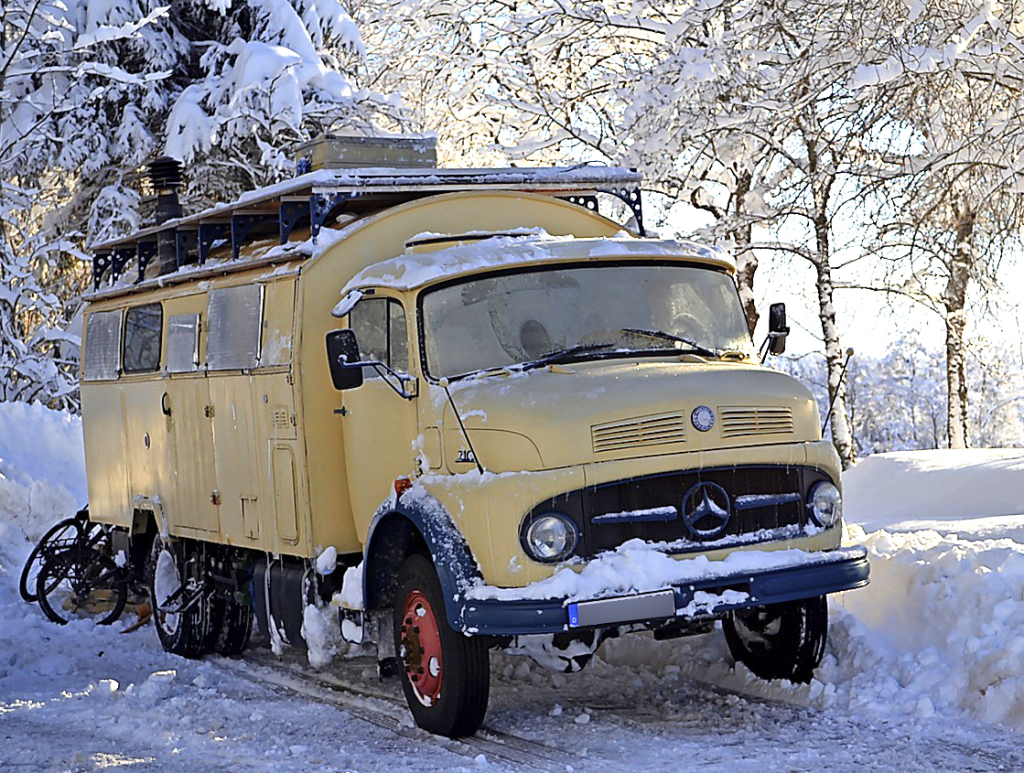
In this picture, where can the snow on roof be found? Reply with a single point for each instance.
(416, 269)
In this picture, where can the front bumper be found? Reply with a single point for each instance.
(825, 572)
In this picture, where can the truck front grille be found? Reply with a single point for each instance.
(641, 431)
(764, 503)
(743, 420)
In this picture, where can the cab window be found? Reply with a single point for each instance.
(142, 329)
(379, 325)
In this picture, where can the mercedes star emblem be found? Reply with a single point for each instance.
(706, 511)
(703, 418)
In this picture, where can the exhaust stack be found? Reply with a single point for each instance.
(165, 177)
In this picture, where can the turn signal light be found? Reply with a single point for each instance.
(402, 485)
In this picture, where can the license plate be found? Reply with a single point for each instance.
(624, 609)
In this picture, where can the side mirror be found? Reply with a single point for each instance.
(777, 329)
(343, 359)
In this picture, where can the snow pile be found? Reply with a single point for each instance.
(42, 467)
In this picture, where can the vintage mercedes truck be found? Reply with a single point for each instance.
(515, 422)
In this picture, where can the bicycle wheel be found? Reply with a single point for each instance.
(81, 583)
(60, 537)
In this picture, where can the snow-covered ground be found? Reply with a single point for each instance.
(924, 671)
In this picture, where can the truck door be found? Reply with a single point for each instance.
(188, 402)
(379, 425)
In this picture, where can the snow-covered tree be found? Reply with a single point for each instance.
(958, 75)
(92, 89)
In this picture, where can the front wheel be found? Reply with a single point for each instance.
(445, 674)
(780, 641)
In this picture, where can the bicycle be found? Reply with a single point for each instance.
(73, 574)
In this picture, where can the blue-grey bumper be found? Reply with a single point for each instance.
(841, 570)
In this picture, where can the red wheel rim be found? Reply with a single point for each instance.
(421, 648)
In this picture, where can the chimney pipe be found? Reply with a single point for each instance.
(165, 176)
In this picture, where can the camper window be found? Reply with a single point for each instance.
(183, 343)
(235, 316)
(102, 346)
(379, 324)
(142, 330)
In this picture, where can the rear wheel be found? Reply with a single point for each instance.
(445, 674)
(780, 641)
(232, 627)
(182, 609)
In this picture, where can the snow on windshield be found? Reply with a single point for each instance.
(503, 320)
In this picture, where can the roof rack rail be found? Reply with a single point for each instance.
(315, 196)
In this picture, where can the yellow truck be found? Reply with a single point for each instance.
(464, 408)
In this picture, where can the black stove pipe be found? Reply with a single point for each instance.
(165, 176)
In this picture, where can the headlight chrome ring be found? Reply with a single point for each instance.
(549, 537)
(825, 504)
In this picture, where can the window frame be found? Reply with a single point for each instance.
(211, 338)
(88, 372)
(194, 362)
(124, 369)
(391, 302)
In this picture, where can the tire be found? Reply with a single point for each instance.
(60, 537)
(232, 628)
(81, 583)
(445, 674)
(184, 633)
(780, 641)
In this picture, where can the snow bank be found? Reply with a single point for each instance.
(913, 490)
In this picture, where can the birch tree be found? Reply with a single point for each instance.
(959, 74)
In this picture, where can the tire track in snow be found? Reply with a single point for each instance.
(287, 673)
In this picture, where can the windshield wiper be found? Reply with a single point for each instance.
(695, 347)
(563, 355)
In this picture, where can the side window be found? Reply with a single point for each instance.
(182, 343)
(234, 317)
(102, 346)
(379, 324)
(142, 329)
(398, 338)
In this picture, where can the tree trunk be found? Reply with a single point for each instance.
(746, 259)
(954, 299)
(842, 437)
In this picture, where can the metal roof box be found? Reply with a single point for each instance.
(334, 151)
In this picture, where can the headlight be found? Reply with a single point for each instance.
(825, 504)
(550, 537)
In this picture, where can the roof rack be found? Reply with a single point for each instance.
(314, 197)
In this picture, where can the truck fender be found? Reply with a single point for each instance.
(396, 526)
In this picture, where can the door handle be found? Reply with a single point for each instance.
(165, 404)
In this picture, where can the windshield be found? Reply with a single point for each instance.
(585, 312)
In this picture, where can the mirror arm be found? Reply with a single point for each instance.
(765, 349)
(383, 371)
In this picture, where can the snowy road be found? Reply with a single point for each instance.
(60, 711)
